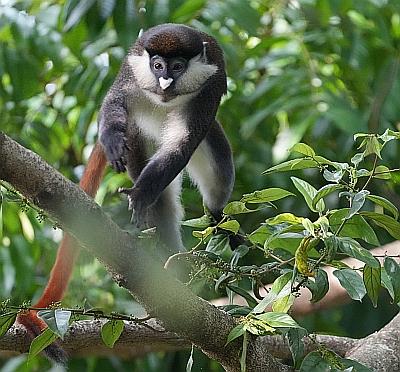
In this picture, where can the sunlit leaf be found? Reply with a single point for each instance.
(382, 172)
(280, 289)
(278, 320)
(296, 164)
(231, 225)
(238, 207)
(198, 223)
(303, 149)
(266, 195)
(285, 217)
(283, 304)
(308, 193)
(111, 331)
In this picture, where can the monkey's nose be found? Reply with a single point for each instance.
(165, 83)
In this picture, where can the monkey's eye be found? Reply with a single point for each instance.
(178, 66)
(158, 66)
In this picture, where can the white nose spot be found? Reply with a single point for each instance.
(165, 83)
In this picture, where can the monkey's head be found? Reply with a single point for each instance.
(175, 60)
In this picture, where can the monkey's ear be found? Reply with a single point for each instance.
(203, 55)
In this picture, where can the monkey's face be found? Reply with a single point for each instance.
(166, 78)
(167, 71)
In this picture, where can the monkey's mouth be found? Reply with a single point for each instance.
(165, 96)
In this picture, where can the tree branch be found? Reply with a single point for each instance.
(178, 309)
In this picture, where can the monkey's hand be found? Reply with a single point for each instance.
(137, 204)
(114, 148)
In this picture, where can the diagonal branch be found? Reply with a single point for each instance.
(179, 310)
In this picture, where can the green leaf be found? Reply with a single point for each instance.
(278, 320)
(387, 222)
(303, 149)
(246, 295)
(280, 289)
(231, 225)
(266, 195)
(385, 204)
(283, 304)
(331, 247)
(296, 164)
(355, 227)
(352, 365)
(320, 286)
(382, 172)
(218, 244)
(6, 322)
(238, 253)
(198, 223)
(296, 344)
(315, 363)
(325, 191)
(56, 320)
(204, 234)
(357, 203)
(352, 283)
(237, 207)
(392, 269)
(41, 342)
(308, 193)
(235, 333)
(285, 217)
(373, 147)
(353, 249)
(372, 282)
(111, 331)
(357, 158)
(333, 176)
(389, 135)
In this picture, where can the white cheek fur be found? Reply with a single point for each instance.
(196, 75)
(141, 69)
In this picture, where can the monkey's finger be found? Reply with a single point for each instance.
(124, 190)
(119, 165)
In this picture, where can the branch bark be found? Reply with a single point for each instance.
(187, 318)
(179, 310)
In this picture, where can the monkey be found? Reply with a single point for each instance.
(158, 117)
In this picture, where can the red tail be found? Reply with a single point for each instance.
(67, 254)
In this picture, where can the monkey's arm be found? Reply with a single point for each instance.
(112, 122)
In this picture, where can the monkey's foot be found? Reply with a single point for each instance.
(139, 209)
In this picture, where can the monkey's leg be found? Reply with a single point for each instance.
(166, 215)
(211, 169)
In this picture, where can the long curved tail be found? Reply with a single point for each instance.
(67, 254)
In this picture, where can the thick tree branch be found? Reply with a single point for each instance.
(178, 309)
